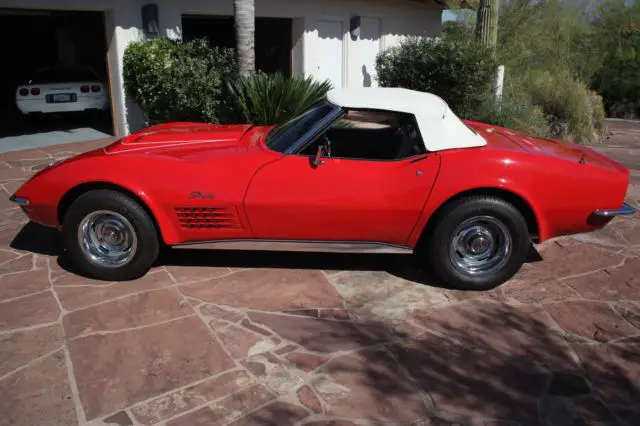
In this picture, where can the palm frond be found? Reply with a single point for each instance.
(265, 100)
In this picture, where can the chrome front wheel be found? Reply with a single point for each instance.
(107, 239)
(110, 236)
(480, 245)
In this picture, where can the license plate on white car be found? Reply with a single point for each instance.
(61, 98)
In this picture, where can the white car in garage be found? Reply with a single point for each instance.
(62, 90)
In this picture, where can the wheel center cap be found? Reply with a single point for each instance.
(112, 237)
(479, 245)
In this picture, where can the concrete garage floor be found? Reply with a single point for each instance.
(22, 133)
(284, 339)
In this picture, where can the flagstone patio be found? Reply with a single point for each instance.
(308, 339)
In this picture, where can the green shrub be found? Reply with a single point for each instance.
(458, 30)
(177, 81)
(598, 112)
(551, 35)
(265, 100)
(619, 82)
(617, 34)
(462, 73)
(573, 112)
(513, 113)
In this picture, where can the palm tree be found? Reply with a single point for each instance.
(245, 22)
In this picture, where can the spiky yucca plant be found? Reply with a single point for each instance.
(264, 100)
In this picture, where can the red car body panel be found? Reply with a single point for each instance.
(205, 182)
(342, 200)
(561, 191)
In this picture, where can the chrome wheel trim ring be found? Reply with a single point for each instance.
(480, 245)
(107, 239)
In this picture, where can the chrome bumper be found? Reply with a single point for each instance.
(19, 200)
(624, 210)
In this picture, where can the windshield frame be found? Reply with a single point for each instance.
(276, 138)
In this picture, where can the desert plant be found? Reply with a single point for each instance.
(598, 112)
(571, 109)
(177, 81)
(264, 99)
(462, 73)
(617, 33)
(599, 46)
(458, 30)
(487, 22)
(549, 35)
(512, 112)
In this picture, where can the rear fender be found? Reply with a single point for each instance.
(458, 178)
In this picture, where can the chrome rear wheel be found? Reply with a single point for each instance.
(480, 245)
(476, 242)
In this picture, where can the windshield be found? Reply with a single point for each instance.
(64, 75)
(282, 137)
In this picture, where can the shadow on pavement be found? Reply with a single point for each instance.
(42, 240)
(37, 239)
(479, 359)
(477, 362)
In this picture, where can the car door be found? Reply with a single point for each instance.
(340, 200)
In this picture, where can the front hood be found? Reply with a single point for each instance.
(171, 136)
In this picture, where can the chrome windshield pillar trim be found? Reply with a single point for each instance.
(19, 200)
(299, 246)
(315, 130)
(626, 209)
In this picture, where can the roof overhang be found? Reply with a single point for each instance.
(452, 4)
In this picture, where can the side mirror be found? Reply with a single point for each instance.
(316, 161)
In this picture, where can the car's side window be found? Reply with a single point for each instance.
(372, 135)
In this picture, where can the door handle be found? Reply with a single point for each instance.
(418, 159)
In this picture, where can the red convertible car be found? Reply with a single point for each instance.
(367, 170)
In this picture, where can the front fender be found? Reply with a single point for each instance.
(46, 189)
(166, 227)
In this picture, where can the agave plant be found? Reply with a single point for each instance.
(264, 100)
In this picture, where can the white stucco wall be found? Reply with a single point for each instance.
(398, 19)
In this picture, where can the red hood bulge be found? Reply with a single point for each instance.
(186, 135)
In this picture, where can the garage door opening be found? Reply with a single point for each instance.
(55, 82)
(273, 38)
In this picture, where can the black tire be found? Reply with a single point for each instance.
(146, 235)
(438, 243)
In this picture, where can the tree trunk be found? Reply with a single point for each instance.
(245, 23)
(487, 23)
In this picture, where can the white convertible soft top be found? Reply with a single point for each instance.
(439, 126)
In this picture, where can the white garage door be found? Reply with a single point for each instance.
(363, 53)
(329, 52)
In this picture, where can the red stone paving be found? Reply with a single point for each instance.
(307, 339)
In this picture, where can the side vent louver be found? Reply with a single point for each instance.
(207, 218)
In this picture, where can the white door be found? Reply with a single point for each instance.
(329, 52)
(363, 53)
